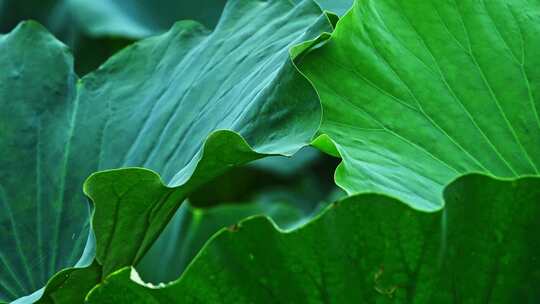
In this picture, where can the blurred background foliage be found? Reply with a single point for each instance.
(96, 29)
(288, 190)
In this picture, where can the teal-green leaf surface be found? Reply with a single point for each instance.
(187, 105)
(336, 6)
(44, 218)
(483, 247)
(113, 18)
(416, 93)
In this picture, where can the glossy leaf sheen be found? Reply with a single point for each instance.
(299, 193)
(416, 93)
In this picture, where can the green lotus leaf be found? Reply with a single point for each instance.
(416, 93)
(44, 218)
(186, 105)
(482, 247)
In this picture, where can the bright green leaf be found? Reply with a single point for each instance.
(416, 93)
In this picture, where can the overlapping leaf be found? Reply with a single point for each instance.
(296, 191)
(482, 248)
(156, 104)
(416, 93)
(190, 228)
